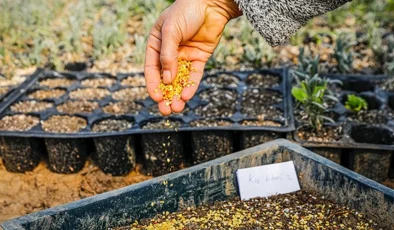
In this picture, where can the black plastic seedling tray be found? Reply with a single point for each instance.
(365, 146)
(233, 98)
(214, 181)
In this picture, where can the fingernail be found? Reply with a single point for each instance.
(167, 76)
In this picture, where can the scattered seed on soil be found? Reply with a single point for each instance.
(64, 124)
(300, 210)
(261, 123)
(259, 103)
(262, 80)
(325, 134)
(46, 94)
(89, 94)
(57, 82)
(221, 103)
(123, 107)
(179, 83)
(134, 81)
(30, 106)
(369, 117)
(130, 94)
(3, 90)
(210, 123)
(112, 125)
(20, 122)
(223, 80)
(99, 82)
(72, 107)
(163, 124)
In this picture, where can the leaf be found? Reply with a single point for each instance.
(322, 117)
(299, 94)
(319, 105)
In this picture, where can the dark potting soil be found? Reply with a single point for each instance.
(99, 82)
(221, 103)
(262, 80)
(18, 122)
(299, 210)
(123, 107)
(30, 106)
(112, 125)
(258, 102)
(209, 123)
(130, 94)
(325, 134)
(369, 117)
(223, 80)
(64, 124)
(57, 82)
(388, 85)
(163, 124)
(134, 81)
(261, 123)
(72, 107)
(46, 94)
(89, 94)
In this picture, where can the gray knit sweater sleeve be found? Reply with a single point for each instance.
(277, 20)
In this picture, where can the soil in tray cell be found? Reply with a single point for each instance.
(57, 82)
(223, 80)
(114, 155)
(134, 81)
(30, 106)
(253, 138)
(123, 107)
(369, 117)
(263, 80)
(3, 90)
(64, 124)
(47, 94)
(221, 103)
(260, 123)
(325, 134)
(73, 107)
(18, 122)
(210, 123)
(89, 94)
(260, 103)
(300, 210)
(130, 94)
(99, 82)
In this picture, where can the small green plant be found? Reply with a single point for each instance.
(258, 53)
(355, 103)
(342, 54)
(307, 66)
(312, 95)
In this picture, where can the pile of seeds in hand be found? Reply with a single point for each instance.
(30, 106)
(179, 83)
(64, 124)
(300, 210)
(18, 122)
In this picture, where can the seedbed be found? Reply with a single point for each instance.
(357, 139)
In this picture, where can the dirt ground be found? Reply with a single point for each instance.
(21, 194)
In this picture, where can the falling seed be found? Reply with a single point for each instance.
(168, 160)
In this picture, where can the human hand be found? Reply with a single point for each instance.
(190, 31)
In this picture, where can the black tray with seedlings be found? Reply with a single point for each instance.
(76, 111)
(348, 119)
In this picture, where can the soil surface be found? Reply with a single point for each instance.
(209, 123)
(300, 210)
(57, 82)
(369, 117)
(131, 94)
(3, 90)
(223, 80)
(262, 80)
(89, 94)
(18, 122)
(46, 94)
(30, 106)
(163, 124)
(123, 107)
(326, 134)
(112, 125)
(134, 81)
(40, 189)
(72, 107)
(64, 124)
(261, 123)
(221, 103)
(98, 82)
(259, 103)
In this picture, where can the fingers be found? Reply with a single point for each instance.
(195, 77)
(169, 51)
(164, 108)
(177, 104)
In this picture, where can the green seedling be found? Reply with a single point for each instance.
(342, 54)
(312, 95)
(355, 103)
(307, 66)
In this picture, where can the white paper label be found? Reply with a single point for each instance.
(267, 180)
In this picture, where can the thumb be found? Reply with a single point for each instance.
(169, 53)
